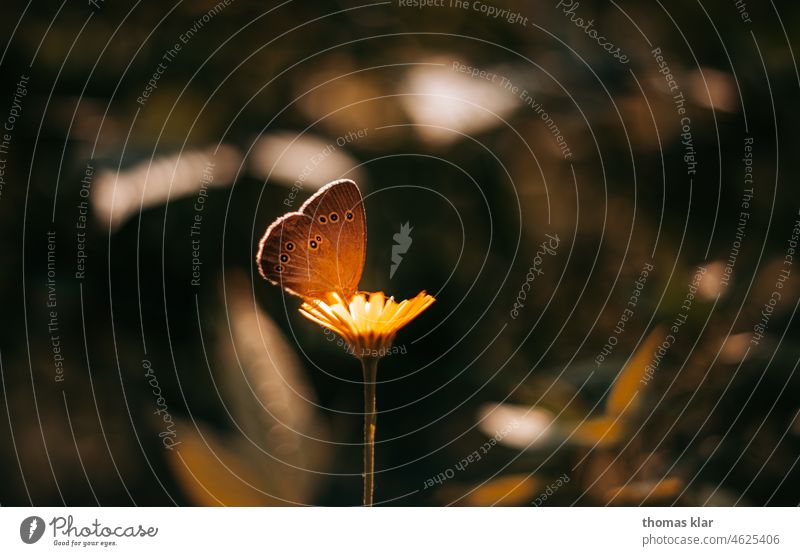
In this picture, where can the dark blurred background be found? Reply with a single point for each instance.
(147, 146)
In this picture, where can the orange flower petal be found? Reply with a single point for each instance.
(368, 322)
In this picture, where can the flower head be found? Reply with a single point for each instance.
(367, 321)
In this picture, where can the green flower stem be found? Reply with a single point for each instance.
(370, 367)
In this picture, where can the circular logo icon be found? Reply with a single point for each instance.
(31, 529)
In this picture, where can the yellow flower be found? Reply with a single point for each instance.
(368, 321)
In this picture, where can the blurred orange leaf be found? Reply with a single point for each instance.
(212, 474)
(624, 392)
(601, 431)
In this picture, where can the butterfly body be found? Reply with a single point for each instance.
(321, 247)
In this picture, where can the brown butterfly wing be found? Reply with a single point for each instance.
(283, 257)
(319, 249)
(337, 212)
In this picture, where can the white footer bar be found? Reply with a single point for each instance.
(400, 531)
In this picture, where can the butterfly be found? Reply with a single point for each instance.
(321, 247)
